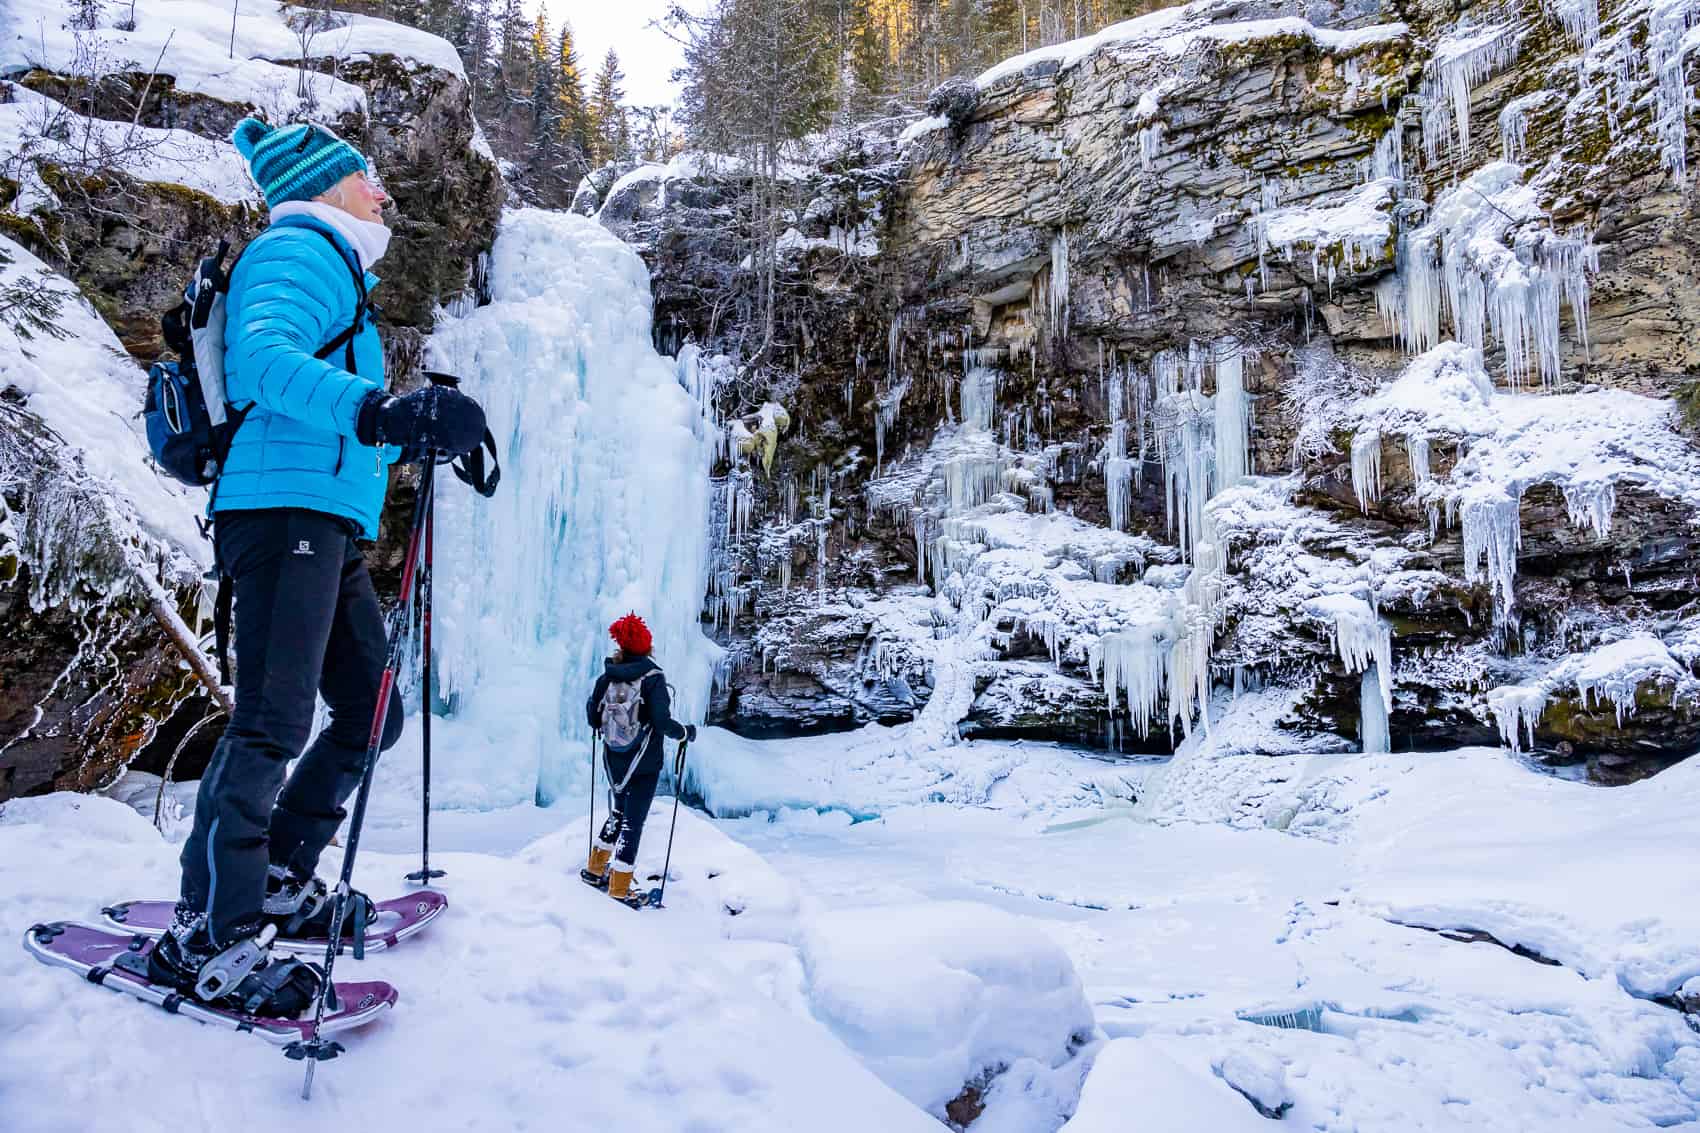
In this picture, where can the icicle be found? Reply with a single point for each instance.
(886, 410)
(1135, 661)
(1150, 143)
(1492, 533)
(1233, 417)
(979, 399)
(1056, 292)
(1667, 54)
(1416, 448)
(1458, 67)
(1366, 467)
(1591, 506)
(1517, 709)
(1373, 713)
(1513, 292)
(1581, 19)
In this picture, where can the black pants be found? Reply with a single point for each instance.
(307, 624)
(624, 828)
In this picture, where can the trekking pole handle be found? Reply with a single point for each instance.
(679, 765)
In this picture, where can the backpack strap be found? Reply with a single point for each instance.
(344, 341)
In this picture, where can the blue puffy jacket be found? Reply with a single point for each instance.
(291, 293)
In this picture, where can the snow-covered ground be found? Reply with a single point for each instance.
(1107, 961)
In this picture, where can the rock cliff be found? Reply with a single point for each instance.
(1330, 346)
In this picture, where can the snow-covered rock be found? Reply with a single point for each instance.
(937, 996)
(1133, 1080)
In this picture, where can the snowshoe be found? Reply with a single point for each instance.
(122, 961)
(396, 919)
(642, 899)
(594, 880)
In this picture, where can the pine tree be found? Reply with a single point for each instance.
(613, 132)
(513, 80)
(577, 133)
(546, 150)
(469, 31)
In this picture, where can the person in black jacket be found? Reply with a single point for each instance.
(630, 709)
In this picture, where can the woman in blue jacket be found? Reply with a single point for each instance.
(303, 483)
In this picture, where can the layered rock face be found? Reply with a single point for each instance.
(119, 181)
(1242, 344)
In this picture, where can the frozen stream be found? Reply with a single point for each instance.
(1178, 929)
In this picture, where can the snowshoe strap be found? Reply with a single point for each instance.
(264, 990)
(219, 975)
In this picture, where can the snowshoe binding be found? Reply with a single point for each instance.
(304, 906)
(243, 976)
(594, 880)
(624, 889)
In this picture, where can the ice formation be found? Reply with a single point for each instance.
(1354, 233)
(1363, 641)
(1458, 66)
(1366, 467)
(1372, 712)
(582, 530)
(1608, 674)
(1489, 257)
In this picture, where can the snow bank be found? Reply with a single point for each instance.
(1596, 879)
(243, 56)
(1135, 1081)
(35, 128)
(932, 996)
(532, 992)
(527, 582)
(1175, 30)
(1354, 232)
(86, 389)
(920, 128)
(1444, 390)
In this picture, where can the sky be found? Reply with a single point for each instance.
(647, 56)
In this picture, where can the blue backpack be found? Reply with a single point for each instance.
(190, 423)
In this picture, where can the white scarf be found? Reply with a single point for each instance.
(368, 238)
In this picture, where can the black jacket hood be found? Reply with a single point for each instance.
(629, 670)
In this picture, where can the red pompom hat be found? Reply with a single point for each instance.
(631, 635)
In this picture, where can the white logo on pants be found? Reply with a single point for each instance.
(303, 548)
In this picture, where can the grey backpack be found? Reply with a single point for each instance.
(622, 732)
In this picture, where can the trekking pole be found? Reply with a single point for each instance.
(590, 833)
(678, 786)
(425, 873)
(316, 1049)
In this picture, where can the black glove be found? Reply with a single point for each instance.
(435, 418)
(690, 733)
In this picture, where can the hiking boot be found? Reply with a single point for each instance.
(243, 977)
(303, 906)
(596, 872)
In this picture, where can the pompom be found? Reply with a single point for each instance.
(630, 634)
(247, 135)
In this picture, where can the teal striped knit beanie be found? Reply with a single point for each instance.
(294, 163)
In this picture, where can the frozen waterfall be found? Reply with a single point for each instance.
(603, 508)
